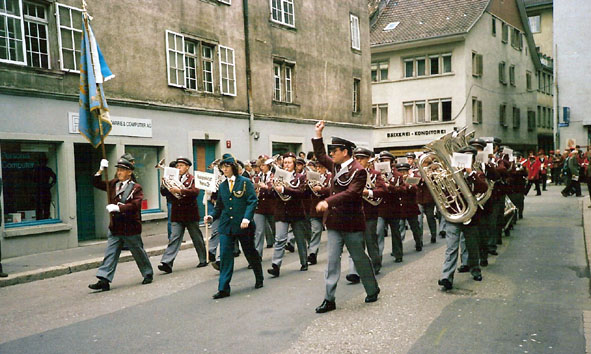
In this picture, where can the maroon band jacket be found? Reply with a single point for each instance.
(184, 209)
(379, 191)
(293, 209)
(345, 203)
(267, 201)
(128, 221)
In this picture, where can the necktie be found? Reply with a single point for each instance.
(231, 185)
(119, 184)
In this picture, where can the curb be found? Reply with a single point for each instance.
(586, 213)
(68, 268)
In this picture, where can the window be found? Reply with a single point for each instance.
(421, 66)
(380, 114)
(531, 120)
(227, 71)
(282, 12)
(408, 113)
(390, 26)
(494, 27)
(446, 63)
(502, 75)
(544, 117)
(12, 49)
(283, 81)
(420, 113)
(434, 65)
(434, 111)
(476, 64)
(191, 60)
(355, 37)
(69, 21)
(36, 39)
(30, 175)
(175, 59)
(516, 118)
(229, 2)
(379, 71)
(277, 82)
(356, 95)
(516, 39)
(503, 115)
(476, 111)
(438, 64)
(409, 68)
(146, 157)
(446, 110)
(512, 75)
(505, 33)
(528, 80)
(534, 24)
(207, 67)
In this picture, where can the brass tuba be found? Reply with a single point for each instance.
(482, 198)
(170, 183)
(447, 185)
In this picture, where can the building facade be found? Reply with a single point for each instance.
(571, 72)
(193, 78)
(444, 65)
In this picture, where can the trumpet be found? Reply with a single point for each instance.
(170, 183)
(281, 183)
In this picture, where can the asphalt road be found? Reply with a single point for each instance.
(531, 300)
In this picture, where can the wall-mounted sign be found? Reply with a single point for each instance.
(416, 133)
(122, 126)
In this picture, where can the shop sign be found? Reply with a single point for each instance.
(416, 133)
(122, 126)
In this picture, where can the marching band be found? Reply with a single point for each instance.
(349, 191)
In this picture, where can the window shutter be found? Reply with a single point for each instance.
(480, 67)
(175, 59)
(479, 104)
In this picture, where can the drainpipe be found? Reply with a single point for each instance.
(248, 81)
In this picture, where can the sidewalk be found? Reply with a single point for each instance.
(89, 255)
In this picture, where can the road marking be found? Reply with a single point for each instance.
(440, 335)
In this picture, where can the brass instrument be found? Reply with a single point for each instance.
(280, 182)
(482, 198)
(170, 183)
(371, 184)
(447, 185)
(315, 183)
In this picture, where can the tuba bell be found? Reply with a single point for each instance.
(447, 185)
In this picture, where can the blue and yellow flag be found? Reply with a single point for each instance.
(94, 112)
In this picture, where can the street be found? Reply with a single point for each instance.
(531, 300)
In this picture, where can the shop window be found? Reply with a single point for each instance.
(146, 157)
(29, 183)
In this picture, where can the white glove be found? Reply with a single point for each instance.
(112, 208)
(207, 219)
(104, 164)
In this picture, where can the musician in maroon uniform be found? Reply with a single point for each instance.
(345, 219)
(317, 194)
(264, 214)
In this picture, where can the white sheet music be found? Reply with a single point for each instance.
(283, 175)
(460, 160)
(402, 159)
(383, 167)
(313, 176)
(171, 172)
(482, 157)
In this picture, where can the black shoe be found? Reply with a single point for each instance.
(484, 263)
(3, 275)
(398, 260)
(165, 268)
(202, 264)
(289, 247)
(494, 253)
(269, 246)
(258, 284)
(147, 281)
(221, 294)
(102, 284)
(237, 253)
(477, 277)
(249, 266)
(304, 268)
(274, 271)
(326, 306)
(353, 278)
(445, 283)
(419, 248)
(211, 257)
(507, 233)
(538, 194)
(312, 259)
(499, 242)
(442, 234)
(216, 265)
(464, 269)
(433, 239)
(564, 194)
(372, 298)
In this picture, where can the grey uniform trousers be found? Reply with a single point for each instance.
(370, 238)
(178, 231)
(263, 229)
(214, 239)
(428, 210)
(453, 232)
(299, 231)
(317, 227)
(354, 242)
(397, 238)
(114, 246)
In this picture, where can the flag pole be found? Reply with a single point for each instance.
(100, 93)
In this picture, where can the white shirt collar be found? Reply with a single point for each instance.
(233, 178)
(347, 163)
